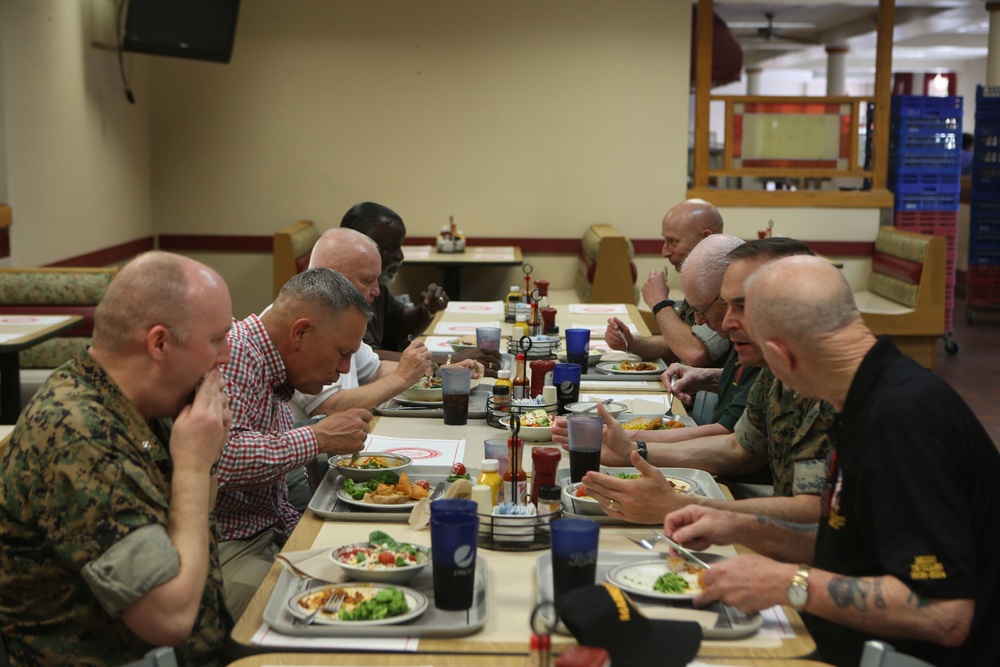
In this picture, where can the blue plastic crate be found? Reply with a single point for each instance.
(979, 256)
(926, 202)
(986, 179)
(937, 142)
(925, 125)
(984, 241)
(987, 95)
(925, 184)
(925, 163)
(922, 106)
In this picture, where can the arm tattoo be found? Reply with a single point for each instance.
(788, 525)
(879, 594)
(850, 592)
(919, 601)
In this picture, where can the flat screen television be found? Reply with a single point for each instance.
(199, 29)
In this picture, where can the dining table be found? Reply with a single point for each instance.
(446, 660)
(512, 582)
(19, 332)
(452, 263)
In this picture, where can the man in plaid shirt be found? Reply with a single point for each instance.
(305, 341)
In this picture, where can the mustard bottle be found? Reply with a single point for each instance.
(513, 298)
(490, 476)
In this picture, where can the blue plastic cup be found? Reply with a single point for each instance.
(574, 554)
(453, 558)
(578, 346)
(566, 378)
(453, 506)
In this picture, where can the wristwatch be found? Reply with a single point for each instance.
(640, 447)
(798, 591)
(666, 303)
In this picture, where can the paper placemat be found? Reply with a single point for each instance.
(476, 307)
(638, 403)
(439, 343)
(461, 328)
(422, 451)
(598, 309)
(268, 636)
(416, 252)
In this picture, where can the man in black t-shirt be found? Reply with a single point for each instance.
(906, 547)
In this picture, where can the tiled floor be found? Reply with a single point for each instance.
(975, 370)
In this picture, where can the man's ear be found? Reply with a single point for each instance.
(157, 340)
(781, 355)
(298, 331)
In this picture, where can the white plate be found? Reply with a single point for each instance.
(530, 433)
(683, 485)
(401, 507)
(415, 600)
(594, 357)
(608, 367)
(638, 578)
(458, 347)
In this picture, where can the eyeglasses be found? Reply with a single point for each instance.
(706, 308)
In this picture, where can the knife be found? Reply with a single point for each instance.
(682, 551)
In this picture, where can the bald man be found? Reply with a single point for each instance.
(906, 547)
(108, 548)
(681, 338)
(303, 342)
(370, 381)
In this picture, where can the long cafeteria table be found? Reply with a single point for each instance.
(511, 590)
(443, 660)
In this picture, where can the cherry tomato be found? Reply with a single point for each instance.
(458, 469)
(582, 492)
(423, 483)
(386, 558)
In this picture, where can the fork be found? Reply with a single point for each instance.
(332, 605)
(624, 339)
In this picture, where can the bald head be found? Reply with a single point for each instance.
(798, 299)
(705, 265)
(154, 288)
(686, 225)
(340, 247)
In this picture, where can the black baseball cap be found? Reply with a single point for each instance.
(602, 615)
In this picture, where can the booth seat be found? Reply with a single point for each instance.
(52, 291)
(292, 247)
(905, 295)
(606, 272)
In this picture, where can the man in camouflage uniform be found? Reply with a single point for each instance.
(108, 548)
(681, 338)
(780, 429)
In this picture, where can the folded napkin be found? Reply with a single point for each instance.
(420, 515)
(312, 564)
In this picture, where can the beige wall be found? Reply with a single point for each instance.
(77, 154)
(520, 118)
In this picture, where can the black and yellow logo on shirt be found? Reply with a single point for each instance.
(927, 567)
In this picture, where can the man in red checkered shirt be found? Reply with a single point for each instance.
(305, 341)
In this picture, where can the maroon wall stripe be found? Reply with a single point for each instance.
(110, 255)
(205, 242)
(264, 244)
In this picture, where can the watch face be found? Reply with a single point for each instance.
(798, 596)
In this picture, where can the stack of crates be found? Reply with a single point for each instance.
(984, 214)
(925, 168)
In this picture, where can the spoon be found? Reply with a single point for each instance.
(606, 401)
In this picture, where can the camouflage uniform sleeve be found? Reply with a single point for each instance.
(113, 500)
(141, 561)
(751, 430)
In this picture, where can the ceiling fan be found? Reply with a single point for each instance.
(770, 34)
